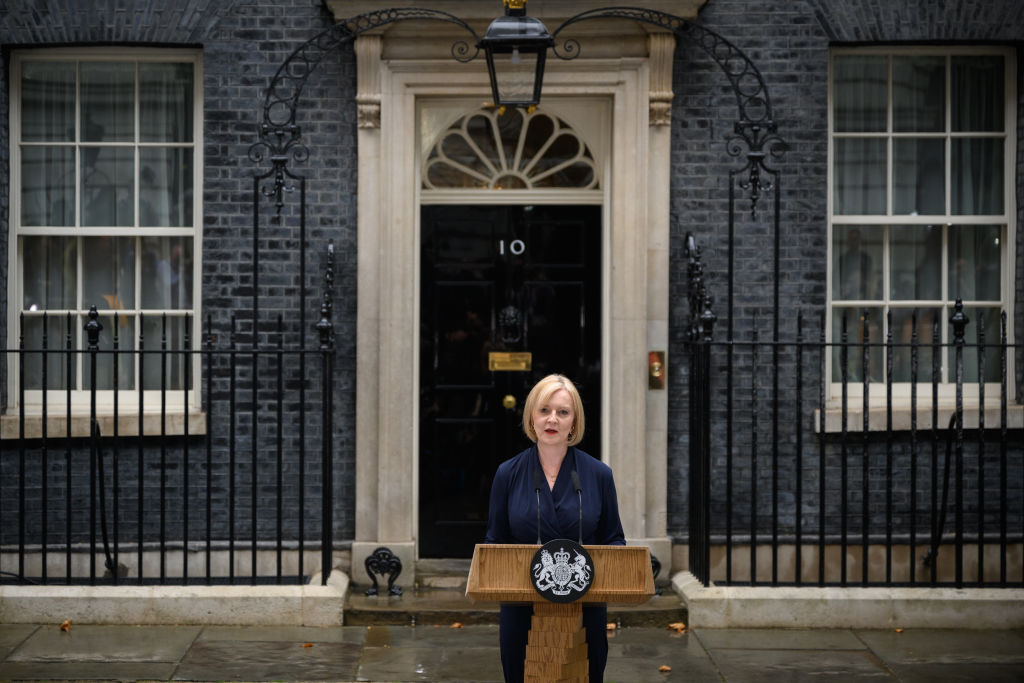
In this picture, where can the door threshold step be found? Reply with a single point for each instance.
(444, 607)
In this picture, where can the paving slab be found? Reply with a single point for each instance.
(635, 655)
(100, 643)
(961, 673)
(779, 639)
(400, 664)
(798, 666)
(946, 646)
(470, 665)
(13, 635)
(78, 671)
(485, 636)
(299, 634)
(246, 660)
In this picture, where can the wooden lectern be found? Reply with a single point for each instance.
(557, 648)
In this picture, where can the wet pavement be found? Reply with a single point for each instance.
(470, 654)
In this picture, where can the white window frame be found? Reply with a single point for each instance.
(901, 391)
(128, 399)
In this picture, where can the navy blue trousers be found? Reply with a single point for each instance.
(514, 630)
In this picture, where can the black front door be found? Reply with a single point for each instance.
(498, 280)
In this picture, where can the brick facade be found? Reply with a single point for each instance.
(245, 41)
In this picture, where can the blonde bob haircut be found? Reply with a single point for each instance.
(541, 394)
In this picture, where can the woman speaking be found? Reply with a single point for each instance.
(553, 420)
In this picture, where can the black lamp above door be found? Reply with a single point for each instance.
(516, 46)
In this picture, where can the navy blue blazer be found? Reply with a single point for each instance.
(512, 517)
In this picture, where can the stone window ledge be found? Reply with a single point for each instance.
(901, 414)
(171, 423)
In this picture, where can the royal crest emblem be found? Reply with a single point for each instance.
(562, 571)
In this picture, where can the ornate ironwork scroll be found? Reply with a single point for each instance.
(280, 136)
(755, 129)
(382, 561)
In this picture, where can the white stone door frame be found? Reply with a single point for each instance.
(633, 76)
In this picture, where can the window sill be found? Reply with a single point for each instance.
(901, 414)
(172, 423)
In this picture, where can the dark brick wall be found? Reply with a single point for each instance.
(788, 40)
(243, 43)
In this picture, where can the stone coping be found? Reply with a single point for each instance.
(865, 608)
(307, 605)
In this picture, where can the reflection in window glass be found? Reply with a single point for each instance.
(978, 88)
(860, 93)
(47, 101)
(108, 186)
(919, 176)
(48, 186)
(165, 102)
(166, 273)
(862, 326)
(50, 332)
(108, 273)
(165, 332)
(974, 262)
(976, 185)
(987, 364)
(165, 186)
(919, 94)
(856, 263)
(859, 176)
(915, 326)
(916, 262)
(48, 272)
(108, 102)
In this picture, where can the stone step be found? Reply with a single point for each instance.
(444, 606)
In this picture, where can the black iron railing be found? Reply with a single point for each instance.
(806, 470)
(226, 481)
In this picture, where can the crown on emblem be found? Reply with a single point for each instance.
(561, 557)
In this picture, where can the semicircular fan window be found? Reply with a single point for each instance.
(516, 150)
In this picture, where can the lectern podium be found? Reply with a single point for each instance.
(556, 650)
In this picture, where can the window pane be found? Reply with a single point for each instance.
(57, 371)
(48, 266)
(124, 326)
(856, 262)
(165, 187)
(904, 357)
(919, 94)
(171, 337)
(166, 273)
(108, 273)
(165, 102)
(108, 186)
(48, 101)
(862, 325)
(916, 262)
(48, 186)
(108, 102)
(919, 176)
(978, 98)
(974, 262)
(990, 318)
(977, 176)
(860, 176)
(860, 94)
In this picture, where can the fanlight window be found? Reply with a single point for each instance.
(514, 150)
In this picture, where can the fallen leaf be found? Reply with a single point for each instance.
(612, 626)
(899, 630)
(65, 626)
(457, 624)
(307, 645)
(664, 669)
(677, 626)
